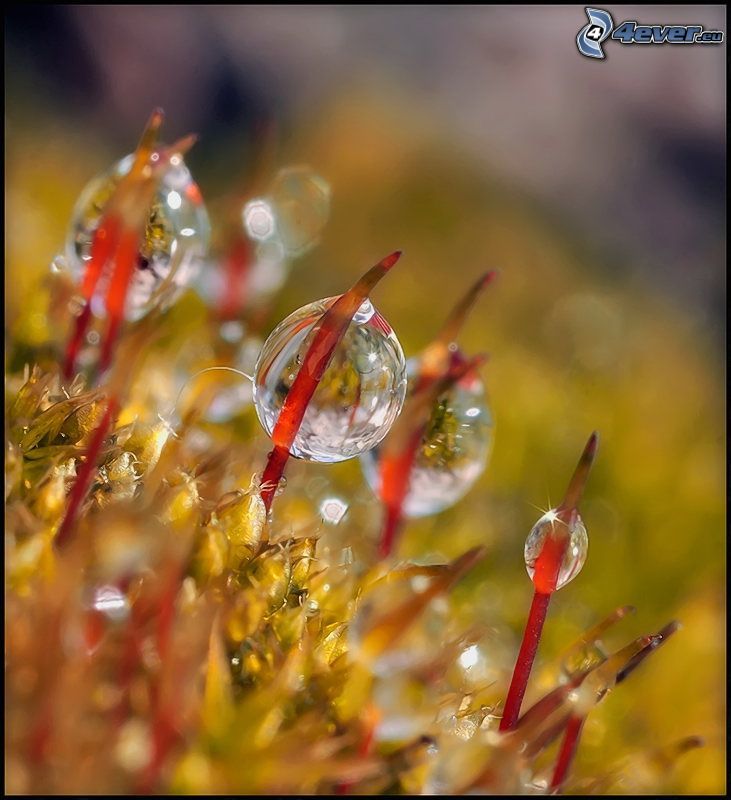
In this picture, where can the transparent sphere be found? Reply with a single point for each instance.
(265, 275)
(299, 201)
(453, 452)
(359, 396)
(177, 226)
(576, 549)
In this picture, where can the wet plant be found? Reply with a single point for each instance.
(180, 620)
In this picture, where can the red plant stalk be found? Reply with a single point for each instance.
(83, 479)
(164, 733)
(570, 742)
(400, 453)
(401, 447)
(116, 240)
(240, 258)
(364, 748)
(567, 752)
(545, 577)
(435, 358)
(107, 235)
(328, 332)
(237, 268)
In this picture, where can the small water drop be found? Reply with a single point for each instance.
(575, 551)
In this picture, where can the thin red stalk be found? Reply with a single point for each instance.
(570, 742)
(545, 578)
(436, 356)
(364, 750)
(567, 752)
(125, 260)
(103, 246)
(163, 729)
(106, 238)
(273, 473)
(401, 449)
(329, 331)
(85, 475)
(400, 453)
(581, 473)
(81, 324)
(237, 268)
(649, 648)
(526, 657)
(392, 522)
(395, 477)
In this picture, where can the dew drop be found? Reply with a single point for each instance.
(453, 453)
(177, 223)
(576, 548)
(360, 394)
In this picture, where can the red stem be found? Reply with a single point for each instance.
(401, 449)
(86, 472)
(125, 259)
(524, 662)
(164, 734)
(364, 750)
(273, 473)
(395, 479)
(391, 526)
(81, 323)
(566, 755)
(237, 267)
(327, 334)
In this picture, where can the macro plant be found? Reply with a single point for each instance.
(172, 625)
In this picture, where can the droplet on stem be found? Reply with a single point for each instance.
(452, 453)
(359, 395)
(177, 222)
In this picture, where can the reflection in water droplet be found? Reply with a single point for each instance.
(358, 398)
(453, 453)
(178, 221)
(576, 548)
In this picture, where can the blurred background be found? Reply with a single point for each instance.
(471, 138)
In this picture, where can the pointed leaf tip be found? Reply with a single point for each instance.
(156, 118)
(581, 473)
(390, 261)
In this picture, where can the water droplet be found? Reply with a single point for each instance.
(178, 222)
(576, 548)
(360, 394)
(453, 453)
(300, 202)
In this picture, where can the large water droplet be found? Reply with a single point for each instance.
(177, 226)
(576, 548)
(360, 394)
(453, 453)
